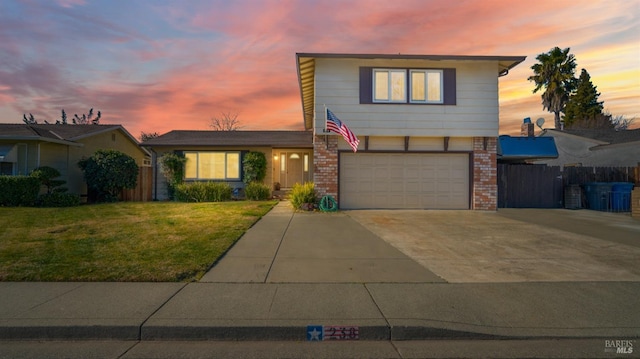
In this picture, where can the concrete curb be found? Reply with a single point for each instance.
(284, 311)
(285, 333)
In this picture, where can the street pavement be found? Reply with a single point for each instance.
(298, 276)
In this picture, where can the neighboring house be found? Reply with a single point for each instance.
(25, 147)
(427, 125)
(596, 148)
(218, 155)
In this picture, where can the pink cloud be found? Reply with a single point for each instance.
(239, 56)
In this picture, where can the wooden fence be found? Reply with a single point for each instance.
(542, 186)
(144, 188)
(583, 175)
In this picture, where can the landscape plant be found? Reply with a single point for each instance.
(203, 192)
(108, 172)
(256, 191)
(254, 166)
(18, 190)
(58, 199)
(56, 195)
(172, 166)
(303, 196)
(47, 177)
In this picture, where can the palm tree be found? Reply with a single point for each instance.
(555, 72)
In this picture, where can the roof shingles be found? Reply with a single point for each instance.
(57, 132)
(609, 136)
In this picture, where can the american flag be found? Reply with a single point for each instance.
(335, 125)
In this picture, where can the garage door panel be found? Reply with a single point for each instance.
(404, 180)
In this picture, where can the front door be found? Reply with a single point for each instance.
(294, 168)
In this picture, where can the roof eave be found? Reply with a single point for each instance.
(306, 70)
(42, 139)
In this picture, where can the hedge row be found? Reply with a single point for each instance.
(23, 191)
(19, 191)
(218, 192)
(203, 192)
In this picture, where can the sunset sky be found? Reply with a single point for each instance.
(155, 66)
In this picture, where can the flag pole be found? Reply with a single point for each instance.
(326, 137)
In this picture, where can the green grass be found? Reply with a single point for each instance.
(156, 241)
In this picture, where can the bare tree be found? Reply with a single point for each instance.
(77, 120)
(87, 119)
(145, 136)
(226, 122)
(621, 123)
(30, 120)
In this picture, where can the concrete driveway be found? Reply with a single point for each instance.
(513, 245)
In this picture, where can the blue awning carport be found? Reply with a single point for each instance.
(522, 149)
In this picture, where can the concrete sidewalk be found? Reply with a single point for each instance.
(281, 311)
(292, 271)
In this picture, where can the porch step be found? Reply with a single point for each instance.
(280, 194)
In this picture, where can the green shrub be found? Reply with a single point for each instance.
(203, 192)
(19, 190)
(254, 166)
(172, 166)
(108, 172)
(303, 194)
(59, 199)
(46, 175)
(256, 191)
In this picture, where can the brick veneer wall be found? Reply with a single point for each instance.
(635, 202)
(325, 169)
(485, 186)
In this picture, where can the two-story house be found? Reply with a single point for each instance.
(427, 125)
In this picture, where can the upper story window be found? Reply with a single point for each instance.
(390, 85)
(408, 86)
(426, 86)
(212, 165)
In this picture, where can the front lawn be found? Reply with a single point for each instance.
(156, 241)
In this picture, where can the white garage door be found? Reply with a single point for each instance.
(404, 180)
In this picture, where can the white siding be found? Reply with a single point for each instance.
(423, 144)
(475, 113)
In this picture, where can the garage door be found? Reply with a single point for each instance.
(401, 180)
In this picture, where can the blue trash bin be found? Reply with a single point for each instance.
(598, 195)
(621, 196)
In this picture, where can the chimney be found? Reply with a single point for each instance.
(527, 129)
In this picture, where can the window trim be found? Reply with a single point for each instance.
(226, 166)
(426, 85)
(390, 86)
(449, 91)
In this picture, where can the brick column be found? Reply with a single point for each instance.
(325, 165)
(485, 172)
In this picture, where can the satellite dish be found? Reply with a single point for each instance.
(540, 122)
